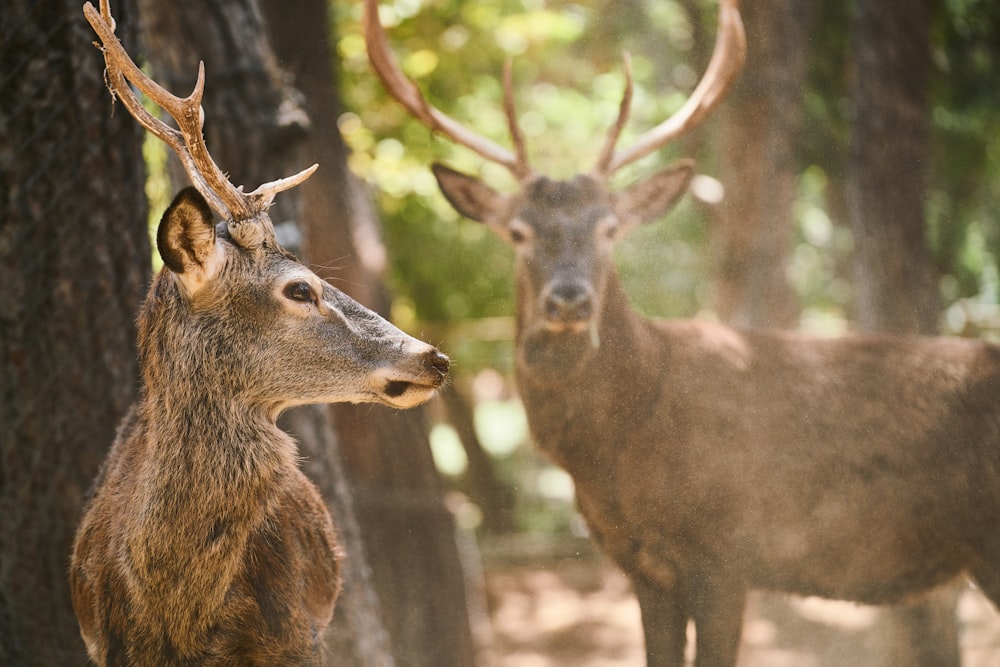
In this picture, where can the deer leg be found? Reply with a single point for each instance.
(718, 621)
(664, 623)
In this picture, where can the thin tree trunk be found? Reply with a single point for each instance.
(896, 288)
(480, 482)
(74, 261)
(758, 129)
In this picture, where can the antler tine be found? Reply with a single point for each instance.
(624, 109)
(187, 141)
(266, 192)
(406, 93)
(522, 170)
(727, 61)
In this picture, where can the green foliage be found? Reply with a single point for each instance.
(965, 180)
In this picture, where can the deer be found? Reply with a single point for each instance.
(202, 541)
(709, 460)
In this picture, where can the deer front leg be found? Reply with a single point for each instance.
(664, 622)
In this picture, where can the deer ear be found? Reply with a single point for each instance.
(186, 239)
(652, 198)
(470, 196)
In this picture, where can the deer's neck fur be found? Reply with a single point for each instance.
(576, 393)
(210, 468)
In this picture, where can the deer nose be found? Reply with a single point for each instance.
(569, 302)
(439, 362)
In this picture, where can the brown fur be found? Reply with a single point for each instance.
(203, 543)
(709, 460)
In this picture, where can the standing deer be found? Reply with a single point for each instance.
(709, 460)
(203, 542)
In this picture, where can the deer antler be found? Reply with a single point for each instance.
(408, 94)
(187, 141)
(727, 61)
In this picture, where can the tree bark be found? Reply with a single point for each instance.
(895, 282)
(74, 261)
(896, 288)
(759, 125)
(480, 482)
(409, 534)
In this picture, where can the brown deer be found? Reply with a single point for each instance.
(203, 542)
(709, 460)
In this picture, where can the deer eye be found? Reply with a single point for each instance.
(519, 232)
(300, 291)
(609, 227)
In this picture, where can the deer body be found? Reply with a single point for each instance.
(709, 460)
(203, 542)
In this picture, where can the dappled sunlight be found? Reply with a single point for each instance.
(569, 614)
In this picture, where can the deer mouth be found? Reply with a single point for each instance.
(562, 326)
(403, 388)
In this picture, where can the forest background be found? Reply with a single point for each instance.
(858, 157)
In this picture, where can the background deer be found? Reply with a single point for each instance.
(709, 460)
(203, 542)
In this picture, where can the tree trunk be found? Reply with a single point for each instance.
(409, 535)
(256, 128)
(896, 288)
(480, 482)
(758, 129)
(895, 283)
(74, 261)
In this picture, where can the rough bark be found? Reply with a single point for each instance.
(74, 260)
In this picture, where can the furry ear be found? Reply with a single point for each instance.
(470, 196)
(186, 240)
(652, 198)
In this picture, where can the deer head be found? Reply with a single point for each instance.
(563, 232)
(235, 310)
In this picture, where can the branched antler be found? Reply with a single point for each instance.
(187, 141)
(406, 93)
(727, 61)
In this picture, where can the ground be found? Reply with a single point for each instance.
(576, 610)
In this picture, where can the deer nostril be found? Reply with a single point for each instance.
(440, 362)
(569, 303)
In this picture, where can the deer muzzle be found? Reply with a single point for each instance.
(568, 306)
(414, 378)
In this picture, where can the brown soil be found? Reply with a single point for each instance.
(579, 612)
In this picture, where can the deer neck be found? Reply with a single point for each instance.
(561, 361)
(209, 424)
(206, 477)
(580, 395)
(215, 439)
